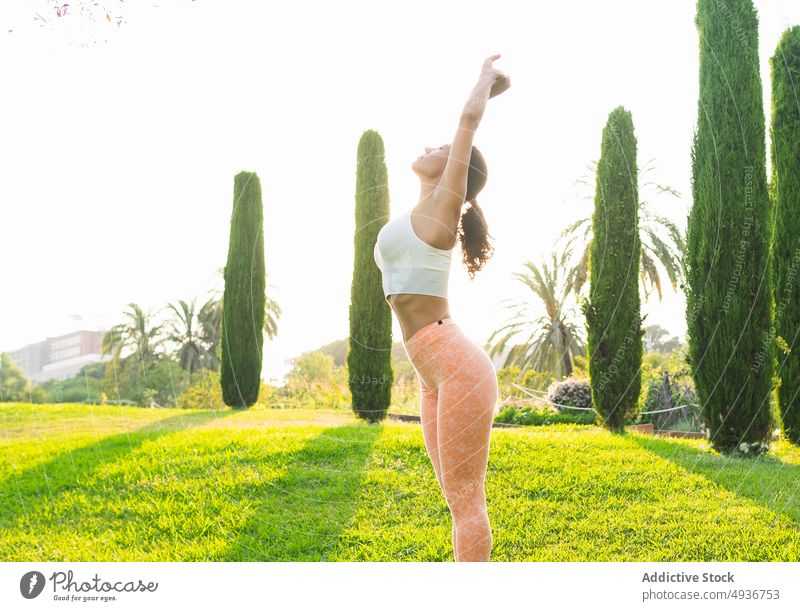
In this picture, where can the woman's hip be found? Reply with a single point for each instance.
(442, 352)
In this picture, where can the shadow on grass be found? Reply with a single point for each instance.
(301, 515)
(766, 480)
(23, 492)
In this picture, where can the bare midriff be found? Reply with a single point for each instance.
(416, 311)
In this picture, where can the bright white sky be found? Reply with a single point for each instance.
(118, 157)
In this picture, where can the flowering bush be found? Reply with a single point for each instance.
(753, 449)
(572, 392)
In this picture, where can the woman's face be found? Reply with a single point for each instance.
(432, 162)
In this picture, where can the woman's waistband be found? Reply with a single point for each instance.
(429, 332)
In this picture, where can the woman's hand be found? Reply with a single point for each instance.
(500, 82)
(492, 82)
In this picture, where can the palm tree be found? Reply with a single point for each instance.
(190, 351)
(272, 311)
(666, 250)
(553, 338)
(210, 319)
(138, 335)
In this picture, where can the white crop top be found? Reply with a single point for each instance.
(408, 263)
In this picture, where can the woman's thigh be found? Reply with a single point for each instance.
(467, 398)
(429, 420)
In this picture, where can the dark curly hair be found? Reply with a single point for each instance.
(473, 230)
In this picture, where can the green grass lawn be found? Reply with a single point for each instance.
(107, 483)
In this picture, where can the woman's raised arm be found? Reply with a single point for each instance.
(452, 187)
(492, 82)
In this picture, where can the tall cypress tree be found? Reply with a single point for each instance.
(613, 308)
(370, 351)
(785, 154)
(242, 336)
(727, 256)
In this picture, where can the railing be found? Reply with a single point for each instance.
(541, 396)
(531, 391)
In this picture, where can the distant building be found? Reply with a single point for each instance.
(59, 357)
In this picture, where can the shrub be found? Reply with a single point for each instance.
(532, 379)
(315, 382)
(572, 392)
(206, 393)
(540, 417)
(683, 394)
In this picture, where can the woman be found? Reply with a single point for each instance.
(458, 383)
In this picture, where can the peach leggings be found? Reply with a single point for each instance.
(458, 402)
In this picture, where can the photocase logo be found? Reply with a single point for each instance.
(31, 584)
